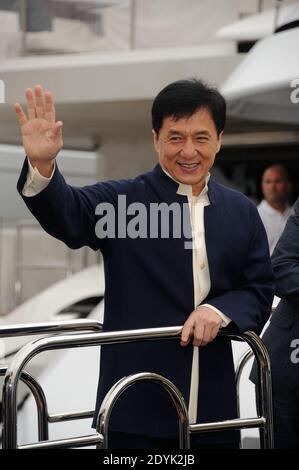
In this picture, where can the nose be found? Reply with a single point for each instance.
(189, 149)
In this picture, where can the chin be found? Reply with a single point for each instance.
(189, 179)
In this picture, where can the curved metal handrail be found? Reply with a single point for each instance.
(28, 329)
(264, 385)
(122, 385)
(57, 342)
(239, 369)
(265, 422)
(40, 400)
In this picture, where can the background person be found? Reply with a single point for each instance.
(274, 209)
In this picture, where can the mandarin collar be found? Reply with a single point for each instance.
(174, 186)
(186, 189)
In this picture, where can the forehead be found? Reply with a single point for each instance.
(200, 120)
(274, 174)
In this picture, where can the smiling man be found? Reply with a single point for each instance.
(223, 281)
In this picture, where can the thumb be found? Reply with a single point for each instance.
(58, 127)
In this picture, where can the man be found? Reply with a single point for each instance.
(282, 337)
(274, 209)
(224, 280)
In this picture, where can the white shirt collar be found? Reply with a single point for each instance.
(266, 206)
(186, 189)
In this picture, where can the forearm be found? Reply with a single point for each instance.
(63, 211)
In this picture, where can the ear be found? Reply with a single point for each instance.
(156, 140)
(219, 142)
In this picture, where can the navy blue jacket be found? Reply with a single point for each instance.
(284, 324)
(149, 283)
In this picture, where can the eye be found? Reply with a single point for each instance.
(175, 138)
(202, 138)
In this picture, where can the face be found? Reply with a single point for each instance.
(187, 148)
(275, 186)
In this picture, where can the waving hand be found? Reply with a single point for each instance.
(42, 135)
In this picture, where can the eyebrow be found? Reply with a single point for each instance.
(201, 133)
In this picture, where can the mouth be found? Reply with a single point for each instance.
(189, 167)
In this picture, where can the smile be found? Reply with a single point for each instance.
(189, 166)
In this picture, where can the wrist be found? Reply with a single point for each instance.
(44, 168)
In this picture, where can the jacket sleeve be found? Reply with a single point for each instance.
(285, 260)
(249, 304)
(67, 212)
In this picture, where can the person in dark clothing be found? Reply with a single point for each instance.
(212, 273)
(282, 337)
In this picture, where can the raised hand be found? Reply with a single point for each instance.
(42, 135)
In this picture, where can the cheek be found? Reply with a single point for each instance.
(169, 153)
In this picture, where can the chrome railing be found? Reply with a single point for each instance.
(239, 369)
(122, 385)
(264, 422)
(32, 329)
(40, 400)
(50, 328)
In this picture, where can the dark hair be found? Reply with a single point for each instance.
(183, 98)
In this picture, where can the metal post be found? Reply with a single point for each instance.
(122, 385)
(264, 389)
(239, 369)
(133, 24)
(40, 400)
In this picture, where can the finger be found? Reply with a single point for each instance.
(186, 334)
(206, 337)
(22, 118)
(39, 102)
(30, 104)
(49, 107)
(199, 332)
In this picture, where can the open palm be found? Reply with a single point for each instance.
(42, 136)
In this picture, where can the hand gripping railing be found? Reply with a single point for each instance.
(263, 422)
